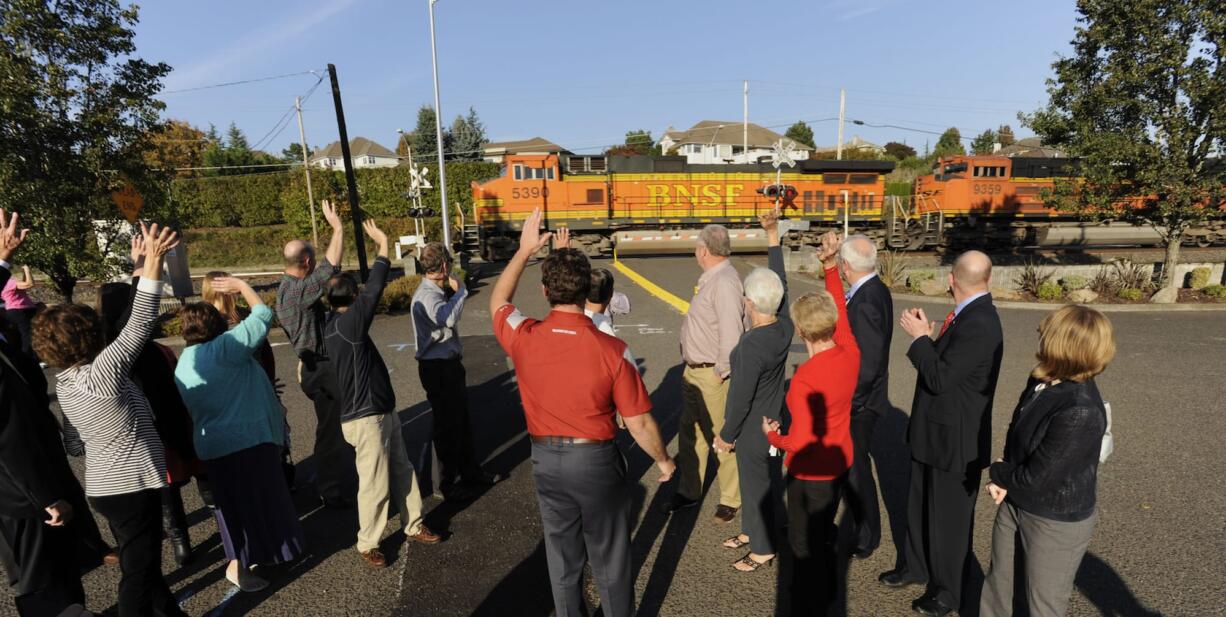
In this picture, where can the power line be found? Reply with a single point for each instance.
(239, 83)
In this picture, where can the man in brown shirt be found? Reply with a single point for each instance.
(711, 329)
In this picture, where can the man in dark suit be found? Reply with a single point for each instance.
(870, 309)
(950, 435)
(37, 546)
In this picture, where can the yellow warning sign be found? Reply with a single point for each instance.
(129, 202)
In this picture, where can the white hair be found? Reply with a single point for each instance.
(764, 290)
(859, 253)
(715, 238)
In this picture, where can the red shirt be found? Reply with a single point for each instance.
(571, 376)
(818, 443)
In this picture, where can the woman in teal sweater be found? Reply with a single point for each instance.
(239, 433)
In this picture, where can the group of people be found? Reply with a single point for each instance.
(147, 422)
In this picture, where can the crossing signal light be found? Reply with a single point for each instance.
(784, 192)
(421, 212)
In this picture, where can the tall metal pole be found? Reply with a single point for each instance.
(745, 126)
(838, 152)
(351, 182)
(306, 165)
(438, 134)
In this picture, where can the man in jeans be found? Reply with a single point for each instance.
(368, 413)
(437, 307)
(302, 316)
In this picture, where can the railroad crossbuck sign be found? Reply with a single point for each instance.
(418, 180)
(129, 202)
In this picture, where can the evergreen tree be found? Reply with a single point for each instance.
(801, 134)
(1004, 135)
(984, 142)
(468, 136)
(950, 144)
(424, 139)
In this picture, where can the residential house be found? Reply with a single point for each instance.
(715, 142)
(365, 153)
(496, 151)
(855, 144)
(1029, 147)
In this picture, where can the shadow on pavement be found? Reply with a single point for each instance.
(1107, 591)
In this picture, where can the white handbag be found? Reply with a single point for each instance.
(1108, 445)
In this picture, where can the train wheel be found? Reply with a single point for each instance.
(1204, 241)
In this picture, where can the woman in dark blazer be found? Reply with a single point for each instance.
(1046, 484)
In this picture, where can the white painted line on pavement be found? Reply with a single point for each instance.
(416, 417)
(402, 346)
(504, 447)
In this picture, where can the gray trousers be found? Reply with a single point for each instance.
(761, 490)
(1034, 561)
(585, 510)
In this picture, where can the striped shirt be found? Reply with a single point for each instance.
(107, 417)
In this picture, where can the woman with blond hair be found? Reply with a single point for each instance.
(1046, 484)
(818, 445)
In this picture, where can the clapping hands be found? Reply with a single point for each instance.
(916, 323)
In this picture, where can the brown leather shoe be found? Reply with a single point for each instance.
(374, 558)
(425, 536)
(725, 514)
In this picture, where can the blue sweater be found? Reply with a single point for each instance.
(231, 401)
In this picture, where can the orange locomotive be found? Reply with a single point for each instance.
(605, 200)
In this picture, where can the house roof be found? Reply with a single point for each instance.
(728, 133)
(358, 146)
(855, 143)
(536, 144)
(1030, 146)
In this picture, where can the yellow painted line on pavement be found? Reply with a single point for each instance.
(681, 305)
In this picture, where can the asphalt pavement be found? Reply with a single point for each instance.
(1157, 549)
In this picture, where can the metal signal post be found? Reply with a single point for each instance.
(351, 182)
(438, 134)
(306, 166)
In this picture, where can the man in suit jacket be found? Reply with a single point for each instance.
(950, 435)
(37, 547)
(870, 309)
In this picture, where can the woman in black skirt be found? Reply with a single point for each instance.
(239, 433)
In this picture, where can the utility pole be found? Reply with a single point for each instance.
(351, 182)
(438, 135)
(745, 126)
(306, 165)
(838, 152)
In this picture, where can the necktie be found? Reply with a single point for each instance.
(945, 326)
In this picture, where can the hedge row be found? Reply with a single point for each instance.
(281, 197)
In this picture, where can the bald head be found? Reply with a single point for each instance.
(298, 254)
(972, 272)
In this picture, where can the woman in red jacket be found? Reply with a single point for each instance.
(818, 443)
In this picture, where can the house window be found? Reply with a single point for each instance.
(331, 162)
(737, 150)
(370, 160)
(695, 148)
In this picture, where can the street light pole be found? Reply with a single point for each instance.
(306, 166)
(438, 134)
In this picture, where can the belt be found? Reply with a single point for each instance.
(554, 440)
(701, 365)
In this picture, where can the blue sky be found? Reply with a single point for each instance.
(583, 73)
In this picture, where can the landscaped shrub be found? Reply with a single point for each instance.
(891, 268)
(1074, 282)
(1104, 282)
(399, 294)
(1129, 293)
(1129, 275)
(1199, 278)
(1214, 291)
(1050, 290)
(1032, 277)
(917, 278)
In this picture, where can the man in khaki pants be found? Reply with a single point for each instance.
(712, 327)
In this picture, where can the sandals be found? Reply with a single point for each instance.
(735, 542)
(750, 564)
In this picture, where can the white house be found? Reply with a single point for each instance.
(714, 142)
(855, 143)
(497, 151)
(365, 153)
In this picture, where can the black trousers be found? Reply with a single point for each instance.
(41, 565)
(447, 390)
(861, 486)
(585, 509)
(334, 458)
(812, 533)
(761, 490)
(21, 318)
(136, 521)
(940, 520)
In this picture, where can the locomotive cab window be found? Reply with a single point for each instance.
(834, 178)
(862, 179)
(523, 172)
(989, 172)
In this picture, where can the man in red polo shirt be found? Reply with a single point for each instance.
(572, 378)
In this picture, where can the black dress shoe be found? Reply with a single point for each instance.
(862, 553)
(459, 492)
(725, 514)
(930, 606)
(679, 503)
(182, 549)
(896, 579)
(337, 503)
(482, 479)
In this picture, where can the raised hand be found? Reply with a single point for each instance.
(137, 250)
(829, 248)
(330, 213)
(11, 236)
(531, 239)
(769, 220)
(561, 238)
(374, 232)
(158, 240)
(226, 285)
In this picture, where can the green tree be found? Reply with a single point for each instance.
(950, 144)
(1140, 105)
(898, 150)
(801, 134)
(175, 147)
(423, 138)
(1004, 135)
(79, 115)
(235, 157)
(468, 136)
(984, 142)
(292, 153)
(637, 143)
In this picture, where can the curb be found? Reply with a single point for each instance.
(1105, 308)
